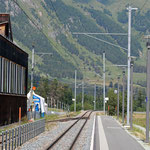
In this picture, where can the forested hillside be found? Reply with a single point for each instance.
(50, 25)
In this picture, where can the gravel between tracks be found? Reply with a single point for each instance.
(39, 142)
(67, 139)
(84, 140)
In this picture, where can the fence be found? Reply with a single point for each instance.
(16, 137)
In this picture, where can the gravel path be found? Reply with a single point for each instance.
(40, 142)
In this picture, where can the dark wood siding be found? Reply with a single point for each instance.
(9, 108)
(10, 103)
(12, 52)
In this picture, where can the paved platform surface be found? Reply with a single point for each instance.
(109, 135)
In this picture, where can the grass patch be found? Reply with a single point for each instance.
(56, 117)
(55, 109)
(100, 113)
(138, 133)
(50, 126)
(140, 119)
(51, 117)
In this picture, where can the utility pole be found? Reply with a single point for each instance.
(95, 97)
(118, 99)
(148, 90)
(104, 79)
(75, 91)
(82, 95)
(123, 96)
(131, 111)
(32, 70)
(129, 60)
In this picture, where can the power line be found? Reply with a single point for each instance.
(29, 17)
(105, 41)
(39, 29)
(78, 33)
(143, 5)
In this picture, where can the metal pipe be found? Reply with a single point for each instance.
(123, 96)
(82, 95)
(148, 92)
(95, 97)
(104, 80)
(75, 91)
(129, 60)
(118, 100)
(131, 111)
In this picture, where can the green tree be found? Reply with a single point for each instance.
(112, 102)
(43, 88)
(140, 102)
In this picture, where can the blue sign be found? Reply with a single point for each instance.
(36, 100)
(146, 99)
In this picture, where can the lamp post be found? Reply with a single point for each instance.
(95, 97)
(104, 80)
(148, 90)
(118, 99)
(123, 95)
(75, 91)
(131, 111)
(129, 60)
(82, 95)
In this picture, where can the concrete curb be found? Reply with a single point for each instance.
(92, 137)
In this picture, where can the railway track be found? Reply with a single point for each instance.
(69, 137)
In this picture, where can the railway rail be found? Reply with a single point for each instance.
(77, 134)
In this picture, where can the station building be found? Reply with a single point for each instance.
(13, 75)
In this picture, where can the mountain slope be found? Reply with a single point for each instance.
(58, 19)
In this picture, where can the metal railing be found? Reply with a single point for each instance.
(11, 139)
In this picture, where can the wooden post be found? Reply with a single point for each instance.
(19, 116)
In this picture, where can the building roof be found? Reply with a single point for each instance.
(5, 20)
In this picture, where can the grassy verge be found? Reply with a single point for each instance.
(100, 113)
(138, 133)
(24, 120)
(47, 117)
(140, 119)
(55, 109)
(55, 117)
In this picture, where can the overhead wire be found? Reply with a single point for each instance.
(39, 29)
(15, 1)
(143, 5)
(140, 10)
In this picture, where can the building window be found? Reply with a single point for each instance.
(2, 68)
(5, 76)
(12, 77)
(0, 74)
(10, 74)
